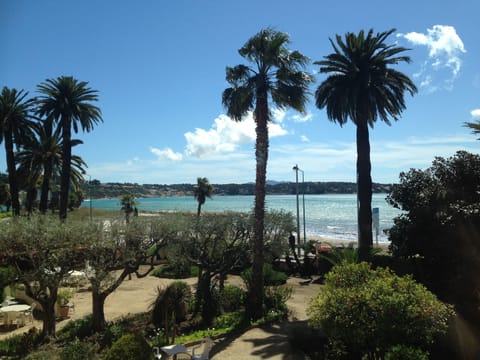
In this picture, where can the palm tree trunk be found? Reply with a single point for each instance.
(47, 174)
(12, 174)
(255, 295)
(364, 192)
(66, 163)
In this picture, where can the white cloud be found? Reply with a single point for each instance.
(278, 115)
(302, 118)
(304, 138)
(166, 154)
(226, 135)
(445, 49)
(475, 114)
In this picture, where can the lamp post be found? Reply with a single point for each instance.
(295, 168)
(90, 196)
(303, 205)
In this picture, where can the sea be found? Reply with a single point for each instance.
(328, 216)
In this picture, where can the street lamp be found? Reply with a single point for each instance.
(297, 169)
(90, 196)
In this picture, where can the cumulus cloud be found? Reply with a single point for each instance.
(475, 114)
(304, 138)
(226, 135)
(302, 118)
(445, 49)
(166, 154)
(278, 115)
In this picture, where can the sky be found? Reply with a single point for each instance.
(159, 69)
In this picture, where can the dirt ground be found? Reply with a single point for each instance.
(136, 295)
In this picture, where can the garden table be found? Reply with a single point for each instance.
(11, 312)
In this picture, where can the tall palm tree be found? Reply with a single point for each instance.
(275, 76)
(69, 102)
(203, 190)
(15, 122)
(41, 159)
(362, 86)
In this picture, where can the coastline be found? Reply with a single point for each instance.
(321, 239)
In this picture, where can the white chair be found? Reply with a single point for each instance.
(207, 345)
(28, 314)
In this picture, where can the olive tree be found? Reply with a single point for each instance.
(116, 251)
(43, 250)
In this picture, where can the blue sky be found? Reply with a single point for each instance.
(159, 67)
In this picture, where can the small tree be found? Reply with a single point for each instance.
(116, 245)
(202, 190)
(216, 244)
(42, 251)
(440, 228)
(367, 312)
(171, 306)
(128, 203)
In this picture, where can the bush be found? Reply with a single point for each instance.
(232, 298)
(179, 270)
(11, 346)
(276, 302)
(366, 312)
(402, 352)
(78, 350)
(80, 329)
(270, 276)
(130, 347)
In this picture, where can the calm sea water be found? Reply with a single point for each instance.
(325, 215)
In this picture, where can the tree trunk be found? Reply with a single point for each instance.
(47, 174)
(199, 208)
(12, 174)
(30, 200)
(364, 192)
(49, 321)
(98, 311)
(66, 164)
(256, 292)
(209, 308)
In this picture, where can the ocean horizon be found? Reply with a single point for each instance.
(328, 215)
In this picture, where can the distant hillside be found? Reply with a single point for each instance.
(113, 190)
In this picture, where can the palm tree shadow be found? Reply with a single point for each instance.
(274, 341)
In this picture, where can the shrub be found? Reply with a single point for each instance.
(276, 301)
(229, 321)
(80, 328)
(179, 270)
(366, 312)
(78, 350)
(11, 346)
(270, 276)
(130, 347)
(402, 352)
(232, 298)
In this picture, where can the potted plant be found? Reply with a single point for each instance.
(63, 298)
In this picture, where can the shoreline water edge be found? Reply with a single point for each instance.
(329, 218)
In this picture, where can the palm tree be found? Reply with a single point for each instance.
(363, 87)
(15, 122)
(275, 76)
(203, 190)
(474, 126)
(69, 102)
(41, 159)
